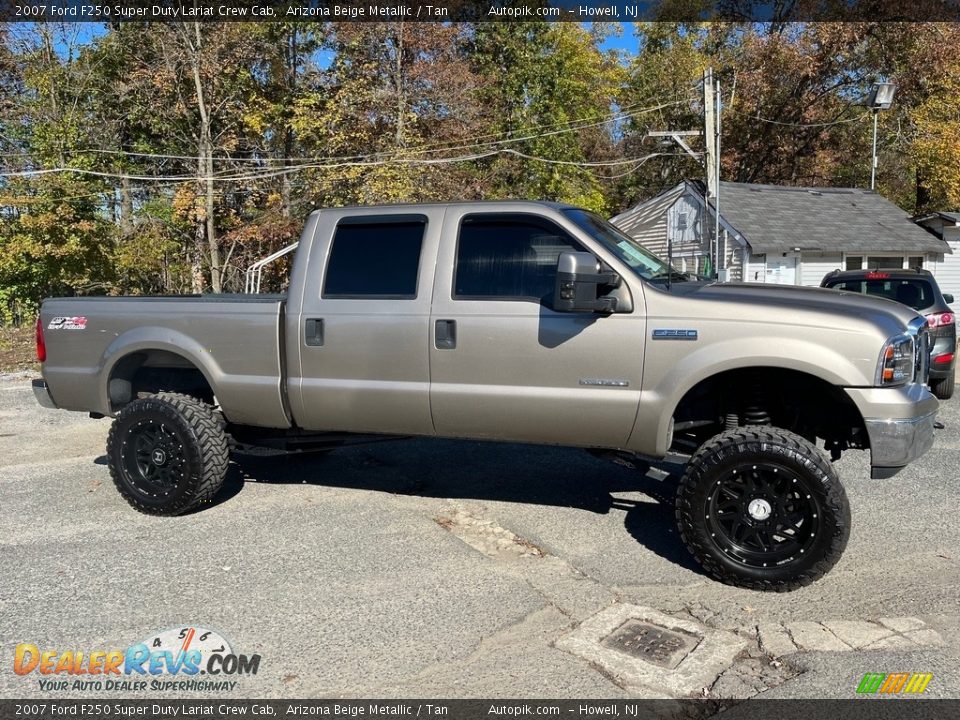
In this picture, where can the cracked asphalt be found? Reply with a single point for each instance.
(435, 568)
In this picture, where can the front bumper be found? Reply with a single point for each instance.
(42, 393)
(896, 443)
(899, 423)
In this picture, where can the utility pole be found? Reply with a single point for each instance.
(721, 252)
(710, 142)
(709, 131)
(709, 159)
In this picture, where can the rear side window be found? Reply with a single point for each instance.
(375, 258)
(508, 257)
(918, 294)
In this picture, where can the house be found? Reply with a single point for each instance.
(946, 226)
(784, 235)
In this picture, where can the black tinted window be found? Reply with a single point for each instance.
(918, 294)
(509, 257)
(374, 259)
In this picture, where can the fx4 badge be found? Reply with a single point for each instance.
(671, 334)
(68, 323)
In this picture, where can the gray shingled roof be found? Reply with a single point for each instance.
(774, 218)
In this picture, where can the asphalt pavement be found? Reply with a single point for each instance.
(437, 568)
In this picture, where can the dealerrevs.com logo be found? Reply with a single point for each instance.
(187, 658)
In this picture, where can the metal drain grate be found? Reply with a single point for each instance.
(652, 643)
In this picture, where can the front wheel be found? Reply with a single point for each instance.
(167, 453)
(762, 508)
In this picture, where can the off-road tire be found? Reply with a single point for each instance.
(943, 389)
(191, 433)
(742, 450)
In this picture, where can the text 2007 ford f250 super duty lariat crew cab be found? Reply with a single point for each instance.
(522, 322)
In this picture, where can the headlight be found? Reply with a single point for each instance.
(896, 361)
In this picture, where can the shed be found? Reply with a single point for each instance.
(946, 227)
(784, 235)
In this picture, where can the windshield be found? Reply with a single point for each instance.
(643, 262)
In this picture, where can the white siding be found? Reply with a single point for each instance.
(814, 267)
(647, 222)
(947, 271)
(733, 260)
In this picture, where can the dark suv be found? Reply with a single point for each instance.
(918, 289)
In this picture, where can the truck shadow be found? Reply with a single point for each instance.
(469, 470)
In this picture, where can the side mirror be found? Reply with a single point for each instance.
(948, 298)
(579, 277)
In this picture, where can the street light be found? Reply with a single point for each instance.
(881, 98)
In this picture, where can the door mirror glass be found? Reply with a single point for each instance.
(582, 283)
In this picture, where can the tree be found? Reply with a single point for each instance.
(197, 79)
(53, 224)
(547, 90)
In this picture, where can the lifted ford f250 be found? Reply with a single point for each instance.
(521, 322)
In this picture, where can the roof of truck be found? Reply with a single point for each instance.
(452, 203)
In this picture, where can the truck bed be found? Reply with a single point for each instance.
(235, 341)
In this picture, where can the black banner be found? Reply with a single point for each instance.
(109, 11)
(874, 708)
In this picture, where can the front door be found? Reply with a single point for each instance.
(503, 365)
(782, 270)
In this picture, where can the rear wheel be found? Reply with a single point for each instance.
(762, 508)
(943, 389)
(167, 453)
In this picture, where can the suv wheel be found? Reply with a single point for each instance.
(762, 508)
(167, 453)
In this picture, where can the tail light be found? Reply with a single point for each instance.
(944, 358)
(940, 319)
(41, 345)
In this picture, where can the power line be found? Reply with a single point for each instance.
(803, 125)
(565, 127)
(323, 166)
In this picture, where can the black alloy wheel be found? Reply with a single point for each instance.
(762, 515)
(762, 508)
(167, 453)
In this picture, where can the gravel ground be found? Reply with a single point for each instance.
(436, 568)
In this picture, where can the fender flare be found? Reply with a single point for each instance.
(658, 404)
(152, 337)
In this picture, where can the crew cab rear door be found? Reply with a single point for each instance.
(504, 365)
(362, 327)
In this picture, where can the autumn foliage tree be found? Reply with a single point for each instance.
(167, 157)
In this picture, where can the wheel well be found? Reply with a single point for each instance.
(789, 399)
(151, 371)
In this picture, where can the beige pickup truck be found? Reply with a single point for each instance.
(521, 322)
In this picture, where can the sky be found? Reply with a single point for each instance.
(626, 41)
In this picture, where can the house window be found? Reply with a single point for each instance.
(882, 262)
